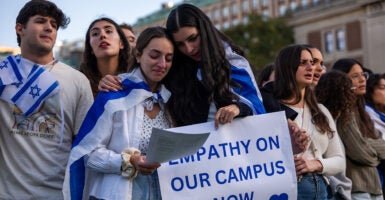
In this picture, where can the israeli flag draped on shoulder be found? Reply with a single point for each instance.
(380, 114)
(25, 84)
(135, 91)
(242, 74)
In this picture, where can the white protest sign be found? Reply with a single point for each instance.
(251, 158)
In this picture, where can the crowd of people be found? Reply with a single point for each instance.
(69, 134)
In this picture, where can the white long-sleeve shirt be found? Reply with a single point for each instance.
(328, 150)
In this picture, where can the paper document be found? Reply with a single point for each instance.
(167, 145)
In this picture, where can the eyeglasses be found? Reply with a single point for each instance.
(358, 76)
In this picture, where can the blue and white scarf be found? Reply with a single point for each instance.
(25, 84)
(380, 114)
(242, 74)
(135, 91)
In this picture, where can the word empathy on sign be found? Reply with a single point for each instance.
(248, 159)
(228, 149)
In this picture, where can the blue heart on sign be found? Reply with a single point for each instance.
(282, 196)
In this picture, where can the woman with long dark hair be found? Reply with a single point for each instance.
(205, 86)
(105, 51)
(294, 72)
(209, 72)
(363, 145)
(375, 101)
(211, 80)
(113, 141)
(375, 106)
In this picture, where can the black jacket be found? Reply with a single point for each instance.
(272, 104)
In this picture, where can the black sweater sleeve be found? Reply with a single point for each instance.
(273, 105)
(244, 110)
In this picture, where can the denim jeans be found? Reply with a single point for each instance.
(146, 187)
(312, 187)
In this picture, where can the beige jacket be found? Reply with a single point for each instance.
(362, 157)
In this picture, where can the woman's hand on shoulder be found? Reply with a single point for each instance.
(110, 83)
(226, 114)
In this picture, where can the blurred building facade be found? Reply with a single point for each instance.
(6, 51)
(70, 53)
(344, 28)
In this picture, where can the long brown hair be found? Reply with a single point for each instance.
(191, 97)
(371, 84)
(334, 92)
(89, 63)
(286, 86)
(364, 122)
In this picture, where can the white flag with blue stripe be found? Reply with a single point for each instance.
(99, 117)
(10, 72)
(25, 83)
(242, 74)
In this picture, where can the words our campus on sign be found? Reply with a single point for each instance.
(229, 175)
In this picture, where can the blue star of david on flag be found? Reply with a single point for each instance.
(18, 58)
(18, 84)
(35, 91)
(3, 65)
(10, 72)
(26, 84)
